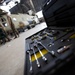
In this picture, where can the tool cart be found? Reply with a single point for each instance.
(51, 51)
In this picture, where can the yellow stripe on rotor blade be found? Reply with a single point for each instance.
(44, 51)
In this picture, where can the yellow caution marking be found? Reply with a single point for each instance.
(73, 36)
(44, 51)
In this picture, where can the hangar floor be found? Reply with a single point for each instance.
(12, 54)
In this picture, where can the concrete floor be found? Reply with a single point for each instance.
(12, 54)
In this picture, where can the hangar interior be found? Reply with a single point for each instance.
(37, 37)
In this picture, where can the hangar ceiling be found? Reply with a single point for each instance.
(24, 5)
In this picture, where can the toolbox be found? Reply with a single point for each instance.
(51, 51)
